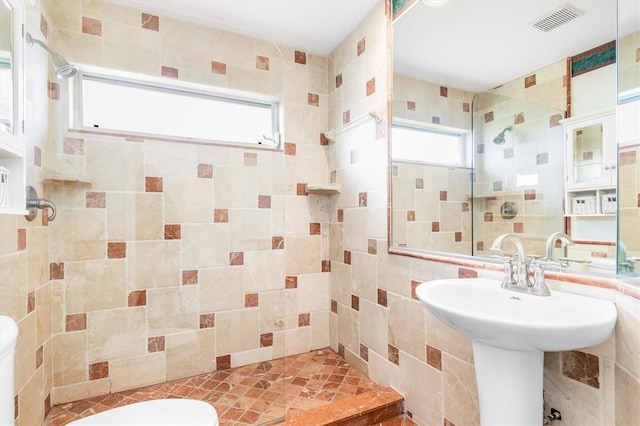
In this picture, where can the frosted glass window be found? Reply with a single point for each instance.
(116, 105)
(426, 145)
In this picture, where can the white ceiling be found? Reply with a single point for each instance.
(468, 44)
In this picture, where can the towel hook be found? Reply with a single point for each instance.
(34, 203)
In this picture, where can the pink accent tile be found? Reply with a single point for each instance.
(76, 322)
(628, 158)
(153, 184)
(324, 140)
(362, 46)
(355, 302)
(393, 354)
(530, 81)
(92, 26)
(435, 120)
(137, 298)
(371, 86)
(488, 117)
(334, 306)
(39, 356)
(362, 199)
(207, 320)
(542, 158)
(507, 153)
(190, 277)
(382, 297)
(173, 232)
(300, 57)
(56, 271)
(419, 183)
(364, 352)
(264, 201)
(277, 243)
(340, 215)
(497, 186)
(434, 357)
(117, 250)
(411, 216)
(266, 340)
(518, 227)
(150, 22)
(170, 72)
(313, 99)
(289, 148)
(443, 195)
(314, 229)
(638, 54)
(466, 107)
(341, 350)
(435, 226)
(37, 156)
(326, 266)
(236, 258)
(466, 206)
(31, 302)
(467, 273)
(221, 216)
(448, 422)
(99, 370)
(583, 367)
(304, 320)
(205, 171)
(53, 91)
(414, 284)
(372, 246)
(346, 117)
(529, 194)
(347, 257)
(96, 200)
(519, 118)
(262, 63)
(338, 80)
(457, 236)
(250, 300)
(218, 68)
(554, 120)
(301, 189)
(250, 159)
(22, 239)
(73, 146)
(155, 344)
(444, 91)
(480, 246)
(44, 26)
(411, 106)
(480, 148)
(290, 282)
(488, 216)
(223, 362)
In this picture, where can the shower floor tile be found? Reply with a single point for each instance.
(248, 395)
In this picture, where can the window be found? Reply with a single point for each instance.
(429, 145)
(137, 107)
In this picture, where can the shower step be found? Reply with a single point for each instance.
(368, 408)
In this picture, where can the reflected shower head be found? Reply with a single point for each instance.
(63, 68)
(499, 140)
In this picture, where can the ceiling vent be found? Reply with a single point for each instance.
(557, 17)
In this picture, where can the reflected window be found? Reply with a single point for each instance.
(130, 107)
(429, 145)
(6, 96)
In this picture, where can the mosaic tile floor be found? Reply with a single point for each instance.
(249, 395)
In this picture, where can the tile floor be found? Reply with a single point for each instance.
(249, 395)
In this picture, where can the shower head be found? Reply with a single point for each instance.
(499, 140)
(63, 68)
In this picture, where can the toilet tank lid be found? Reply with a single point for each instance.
(8, 335)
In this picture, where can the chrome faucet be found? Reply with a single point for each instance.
(551, 243)
(520, 280)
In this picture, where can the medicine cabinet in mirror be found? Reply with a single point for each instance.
(512, 100)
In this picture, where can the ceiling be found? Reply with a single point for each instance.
(473, 45)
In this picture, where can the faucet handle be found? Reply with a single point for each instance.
(538, 285)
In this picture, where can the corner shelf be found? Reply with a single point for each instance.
(53, 179)
(323, 188)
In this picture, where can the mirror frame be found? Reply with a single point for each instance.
(14, 140)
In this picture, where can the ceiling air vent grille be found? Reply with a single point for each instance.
(557, 17)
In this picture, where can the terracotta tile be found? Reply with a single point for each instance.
(530, 81)
(156, 344)
(393, 354)
(340, 215)
(266, 339)
(372, 246)
(338, 80)
(313, 99)
(250, 300)
(218, 68)
(371, 86)
(96, 200)
(300, 57)
(116, 250)
(355, 302)
(466, 107)
(518, 227)
(457, 236)
(150, 22)
(435, 226)
(488, 116)
(301, 189)
(37, 156)
(467, 273)
(76, 322)
(346, 117)
(92, 26)
(347, 257)
(448, 422)
(21, 243)
(56, 271)
(304, 320)
(170, 72)
(250, 159)
(414, 284)
(518, 119)
(411, 106)
(39, 356)
(172, 232)
(362, 199)
(291, 282)
(31, 302)
(73, 146)
(98, 370)
(554, 120)
(153, 184)
(236, 258)
(53, 90)
(264, 201)
(137, 298)
(529, 194)
(277, 243)
(411, 216)
(314, 229)
(221, 216)
(207, 320)
(488, 216)
(435, 120)
(190, 277)
(362, 46)
(44, 26)
(382, 297)
(444, 91)
(326, 266)
(262, 63)
(434, 357)
(289, 148)
(582, 367)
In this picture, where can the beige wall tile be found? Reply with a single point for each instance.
(303, 255)
(405, 317)
(78, 391)
(240, 359)
(126, 174)
(272, 311)
(341, 283)
(95, 285)
(124, 373)
(13, 274)
(314, 292)
(298, 340)
(348, 332)
(172, 310)
(37, 257)
(263, 270)
(421, 385)
(190, 353)
(374, 327)
(627, 393)
(44, 306)
(364, 276)
(69, 358)
(205, 245)
(237, 331)
(29, 399)
(221, 289)
(250, 229)
(188, 200)
(117, 333)
(235, 187)
(134, 216)
(79, 235)
(459, 391)
(627, 341)
(153, 264)
(319, 329)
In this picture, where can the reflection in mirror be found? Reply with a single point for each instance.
(629, 136)
(6, 72)
(506, 85)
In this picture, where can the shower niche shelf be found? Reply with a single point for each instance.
(323, 188)
(57, 179)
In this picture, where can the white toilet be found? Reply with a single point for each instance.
(8, 337)
(156, 412)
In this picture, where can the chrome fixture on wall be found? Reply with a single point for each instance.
(63, 68)
(499, 140)
(34, 203)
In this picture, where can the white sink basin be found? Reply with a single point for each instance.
(510, 332)
(482, 311)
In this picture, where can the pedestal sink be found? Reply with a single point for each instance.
(510, 332)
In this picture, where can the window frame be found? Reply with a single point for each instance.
(162, 84)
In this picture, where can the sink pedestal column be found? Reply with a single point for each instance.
(509, 385)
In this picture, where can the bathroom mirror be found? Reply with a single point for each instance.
(464, 69)
(7, 122)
